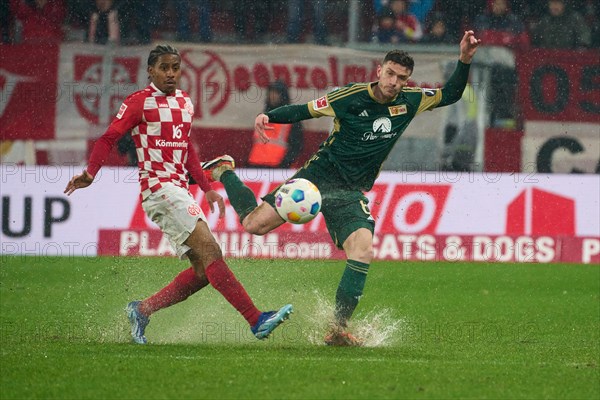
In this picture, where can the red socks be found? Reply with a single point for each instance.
(183, 286)
(220, 276)
(187, 283)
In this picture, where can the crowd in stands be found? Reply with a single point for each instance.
(565, 24)
(131, 22)
(571, 24)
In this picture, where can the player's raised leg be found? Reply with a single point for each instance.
(241, 197)
(255, 219)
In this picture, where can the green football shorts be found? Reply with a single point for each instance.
(344, 209)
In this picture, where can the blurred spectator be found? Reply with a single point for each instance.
(78, 18)
(104, 24)
(385, 31)
(249, 10)
(533, 10)
(421, 9)
(459, 15)
(436, 31)
(502, 97)
(182, 11)
(396, 24)
(460, 133)
(407, 24)
(287, 140)
(6, 21)
(562, 28)
(139, 19)
(499, 26)
(378, 6)
(42, 19)
(296, 16)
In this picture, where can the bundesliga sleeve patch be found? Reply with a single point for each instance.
(320, 103)
(121, 111)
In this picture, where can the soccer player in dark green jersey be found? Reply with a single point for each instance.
(368, 120)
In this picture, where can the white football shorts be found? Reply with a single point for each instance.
(176, 212)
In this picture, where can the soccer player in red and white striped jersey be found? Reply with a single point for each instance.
(160, 119)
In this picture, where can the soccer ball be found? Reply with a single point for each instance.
(298, 201)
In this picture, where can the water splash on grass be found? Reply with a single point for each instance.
(211, 321)
(377, 328)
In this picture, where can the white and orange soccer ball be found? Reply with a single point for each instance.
(298, 201)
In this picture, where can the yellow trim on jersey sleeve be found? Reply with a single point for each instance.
(321, 107)
(429, 102)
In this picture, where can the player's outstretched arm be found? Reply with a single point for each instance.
(287, 114)
(456, 84)
(80, 181)
(468, 47)
(99, 154)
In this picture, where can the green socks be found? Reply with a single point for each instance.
(349, 290)
(240, 196)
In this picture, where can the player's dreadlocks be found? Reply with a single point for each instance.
(400, 57)
(160, 50)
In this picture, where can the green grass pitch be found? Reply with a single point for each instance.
(435, 330)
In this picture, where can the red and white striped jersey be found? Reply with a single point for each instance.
(160, 126)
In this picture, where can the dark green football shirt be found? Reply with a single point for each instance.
(366, 130)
